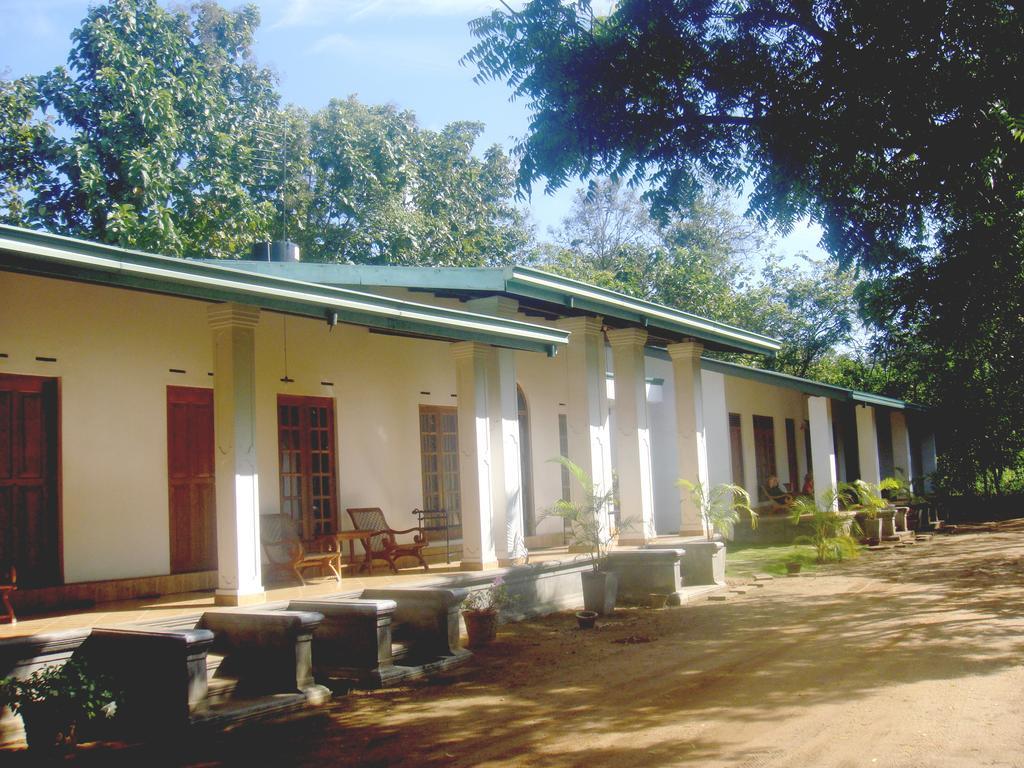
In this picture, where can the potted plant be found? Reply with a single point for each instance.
(588, 520)
(58, 703)
(869, 502)
(721, 507)
(832, 533)
(481, 609)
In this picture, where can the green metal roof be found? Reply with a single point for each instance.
(562, 294)
(807, 386)
(44, 254)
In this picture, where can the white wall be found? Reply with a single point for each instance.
(114, 349)
(749, 398)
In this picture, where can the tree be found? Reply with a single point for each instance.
(902, 140)
(160, 113)
(382, 190)
(23, 142)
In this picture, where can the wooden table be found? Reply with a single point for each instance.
(352, 537)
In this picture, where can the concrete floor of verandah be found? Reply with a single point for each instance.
(109, 614)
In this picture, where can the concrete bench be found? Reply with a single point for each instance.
(643, 572)
(162, 673)
(426, 621)
(265, 652)
(386, 636)
(702, 564)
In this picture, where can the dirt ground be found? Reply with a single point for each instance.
(901, 658)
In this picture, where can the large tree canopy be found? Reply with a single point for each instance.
(872, 123)
(158, 114)
(163, 133)
(898, 130)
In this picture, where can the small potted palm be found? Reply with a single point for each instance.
(832, 533)
(869, 503)
(588, 521)
(721, 507)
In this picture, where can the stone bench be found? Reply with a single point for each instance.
(162, 673)
(702, 564)
(643, 572)
(264, 652)
(386, 636)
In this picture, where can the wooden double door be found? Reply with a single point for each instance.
(29, 472)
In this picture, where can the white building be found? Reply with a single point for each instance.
(151, 409)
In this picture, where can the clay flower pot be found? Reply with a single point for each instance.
(793, 568)
(586, 619)
(481, 626)
(658, 599)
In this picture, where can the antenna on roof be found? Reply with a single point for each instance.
(271, 156)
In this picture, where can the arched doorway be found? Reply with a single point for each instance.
(526, 465)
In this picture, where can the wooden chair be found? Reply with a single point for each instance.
(285, 551)
(779, 504)
(383, 544)
(8, 584)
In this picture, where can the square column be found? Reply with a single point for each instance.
(823, 452)
(867, 445)
(716, 429)
(480, 466)
(929, 458)
(902, 456)
(239, 568)
(633, 438)
(691, 438)
(587, 406)
(507, 490)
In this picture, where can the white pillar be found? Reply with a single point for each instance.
(691, 440)
(929, 458)
(507, 491)
(587, 406)
(867, 445)
(902, 456)
(823, 453)
(478, 463)
(633, 437)
(716, 429)
(239, 577)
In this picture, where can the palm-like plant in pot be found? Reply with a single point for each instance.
(721, 507)
(588, 520)
(868, 500)
(832, 533)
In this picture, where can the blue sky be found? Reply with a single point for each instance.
(403, 52)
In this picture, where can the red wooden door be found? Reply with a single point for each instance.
(191, 479)
(29, 453)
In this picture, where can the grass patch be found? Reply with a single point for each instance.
(744, 560)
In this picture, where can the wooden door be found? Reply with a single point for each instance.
(29, 456)
(305, 435)
(764, 452)
(191, 479)
(736, 450)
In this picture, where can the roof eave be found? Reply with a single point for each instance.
(49, 255)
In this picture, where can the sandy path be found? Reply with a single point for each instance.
(899, 659)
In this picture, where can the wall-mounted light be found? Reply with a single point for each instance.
(332, 319)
